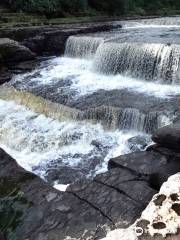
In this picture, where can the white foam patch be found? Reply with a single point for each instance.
(61, 187)
(85, 81)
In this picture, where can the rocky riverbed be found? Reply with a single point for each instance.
(85, 119)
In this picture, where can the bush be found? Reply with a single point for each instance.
(49, 7)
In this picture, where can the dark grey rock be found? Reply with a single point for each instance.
(5, 75)
(162, 174)
(112, 194)
(34, 210)
(11, 51)
(168, 137)
(155, 165)
(140, 162)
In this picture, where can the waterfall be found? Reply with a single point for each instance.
(111, 118)
(82, 47)
(157, 62)
(126, 118)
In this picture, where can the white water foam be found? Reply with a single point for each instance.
(35, 140)
(85, 81)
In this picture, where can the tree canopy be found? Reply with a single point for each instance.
(110, 7)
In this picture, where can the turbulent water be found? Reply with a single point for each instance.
(45, 146)
(103, 98)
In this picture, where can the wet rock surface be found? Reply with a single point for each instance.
(87, 209)
(51, 40)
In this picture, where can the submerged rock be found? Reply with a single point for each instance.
(138, 143)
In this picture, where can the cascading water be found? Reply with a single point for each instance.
(84, 106)
(126, 118)
(49, 147)
(111, 118)
(82, 46)
(156, 62)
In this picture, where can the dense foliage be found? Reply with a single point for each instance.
(80, 7)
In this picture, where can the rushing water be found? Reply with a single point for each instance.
(42, 144)
(103, 98)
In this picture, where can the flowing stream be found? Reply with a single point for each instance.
(103, 98)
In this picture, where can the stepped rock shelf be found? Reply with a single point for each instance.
(102, 117)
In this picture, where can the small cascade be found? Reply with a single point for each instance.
(38, 104)
(127, 118)
(111, 118)
(82, 47)
(153, 62)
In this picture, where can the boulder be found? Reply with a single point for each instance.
(168, 136)
(11, 51)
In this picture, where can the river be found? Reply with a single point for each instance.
(103, 98)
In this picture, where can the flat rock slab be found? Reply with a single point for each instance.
(111, 193)
(155, 165)
(124, 181)
(145, 163)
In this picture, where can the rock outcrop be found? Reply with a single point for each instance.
(11, 51)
